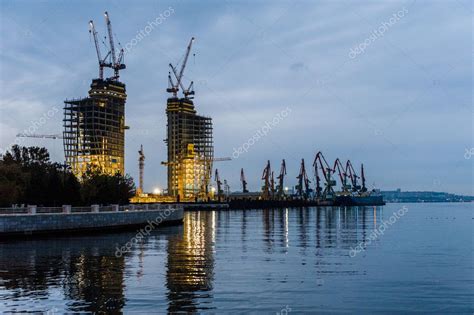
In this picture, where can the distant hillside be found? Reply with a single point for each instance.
(423, 196)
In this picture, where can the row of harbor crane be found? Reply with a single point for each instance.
(324, 175)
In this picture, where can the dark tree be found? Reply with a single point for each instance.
(99, 188)
(27, 176)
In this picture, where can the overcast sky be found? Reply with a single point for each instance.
(386, 83)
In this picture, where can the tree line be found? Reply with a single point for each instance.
(28, 176)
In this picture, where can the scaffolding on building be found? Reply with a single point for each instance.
(190, 151)
(94, 126)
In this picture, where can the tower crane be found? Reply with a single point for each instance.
(353, 176)
(328, 192)
(280, 188)
(116, 63)
(244, 182)
(141, 168)
(342, 176)
(303, 182)
(266, 177)
(174, 87)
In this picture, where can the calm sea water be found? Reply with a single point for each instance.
(265, 261)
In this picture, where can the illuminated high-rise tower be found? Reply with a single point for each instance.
(189, 140)
(94, 126)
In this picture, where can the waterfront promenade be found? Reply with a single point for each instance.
(31, 220)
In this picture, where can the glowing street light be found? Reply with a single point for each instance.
(157, 191)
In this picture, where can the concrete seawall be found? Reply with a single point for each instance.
(42, 223)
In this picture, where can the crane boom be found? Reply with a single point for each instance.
(188, 50)
(97, 48)
(26, 135)
(342, 175)
(111, 38)
(352, 175)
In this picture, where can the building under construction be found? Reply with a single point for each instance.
(189, 141)
(94, 126)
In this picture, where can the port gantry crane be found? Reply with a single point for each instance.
(328, 192)
(280, 189)
(267, 182)
(302, 188)
(226, 188)
(174, 87)
(353, 176)
(110, 60)
(243, 181)
(342, 176)
(272, 186)
(218, 184)
(362, 177)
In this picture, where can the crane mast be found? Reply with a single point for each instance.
(218, 184)
(281, 177)
(244, 182)
(141, 168)
(303, 182)
(272, 185)
(267, 172)
(319, 189)
(362, 176)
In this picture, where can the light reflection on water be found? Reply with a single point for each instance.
(254, 260)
